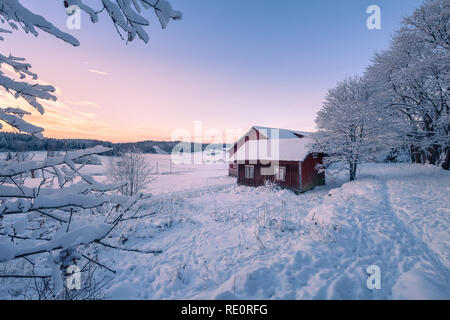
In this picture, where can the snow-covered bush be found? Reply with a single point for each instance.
(132, 168)
(398, 155)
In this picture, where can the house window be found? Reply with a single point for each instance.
(249, 172)
(280, 173)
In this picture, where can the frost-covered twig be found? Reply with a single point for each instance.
(129, 249)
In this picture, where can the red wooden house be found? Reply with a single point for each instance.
(277, 155)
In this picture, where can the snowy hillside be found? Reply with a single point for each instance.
(220, 240)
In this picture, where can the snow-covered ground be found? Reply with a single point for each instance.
(220, 240)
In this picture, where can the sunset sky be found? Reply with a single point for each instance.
(229, 63)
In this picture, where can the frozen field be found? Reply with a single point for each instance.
(220, 240)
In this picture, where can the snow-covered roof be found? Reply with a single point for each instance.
(278, 133)
(285, 149)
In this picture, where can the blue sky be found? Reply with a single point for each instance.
(229, 63)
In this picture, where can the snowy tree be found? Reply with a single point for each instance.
(350, 129)
(412, 80)
(405, 90)
(132, 168)
(62, 218)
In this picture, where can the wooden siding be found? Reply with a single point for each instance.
(310, 177)
(292, 179)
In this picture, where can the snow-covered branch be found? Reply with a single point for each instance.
(125, 15)
(17, 15)
(65, 214)
(52, 224)
(16, 168)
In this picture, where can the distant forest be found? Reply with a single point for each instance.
(16, 142)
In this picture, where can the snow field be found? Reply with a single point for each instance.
(220, 240)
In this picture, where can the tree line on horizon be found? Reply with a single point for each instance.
(18, 142)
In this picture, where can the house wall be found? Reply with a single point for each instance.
(232, 169)
(310, 177)
(292, 175)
